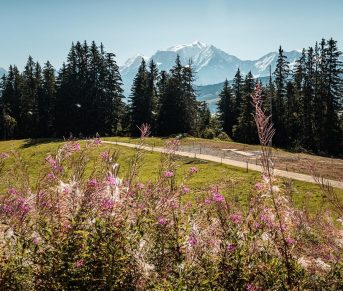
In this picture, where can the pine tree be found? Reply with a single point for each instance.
(46, 102)
(30, 88)
(238, 93)
(227, 109)
(189, 104)
(306, 101)
(153, 95)
(114, 112)
(332, 90)
(171, 111)
(278, 104)
(203, 118)
(245, 130)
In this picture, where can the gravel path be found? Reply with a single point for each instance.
(218, 156)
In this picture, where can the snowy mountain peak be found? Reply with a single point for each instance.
(133, 60)
(211, 64)
(196, 45)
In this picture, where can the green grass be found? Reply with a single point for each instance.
(234, 182)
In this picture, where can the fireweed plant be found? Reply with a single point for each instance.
(97, 231)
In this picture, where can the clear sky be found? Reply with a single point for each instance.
(245, 28)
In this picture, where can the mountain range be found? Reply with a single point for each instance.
(212, 65)
(2, 72)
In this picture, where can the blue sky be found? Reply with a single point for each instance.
(245, 28)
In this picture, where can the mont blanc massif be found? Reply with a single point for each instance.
(212, 66)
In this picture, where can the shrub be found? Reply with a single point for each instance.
(209, 133)
(223, 136)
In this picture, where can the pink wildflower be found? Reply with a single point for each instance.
(162, 221)
(79, 263)
(12, 191)
(140, 186)
(77, 147)
(111, 180)
(193, 170)
(7, 209)
(290, 241)
(230, 248)
(51, 160)
(251, 287)
(185, 189)
(258, 186)
(192, 240)
(105, 156)
(256, 226)
(218, 197)
(235, 218)
(4, 156)
(97, 141)
(50, 176)
(106, 204)
(92, 183)
(168, 174)
(36, 240)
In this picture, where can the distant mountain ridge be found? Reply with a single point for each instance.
(212, 65)
(2, 72)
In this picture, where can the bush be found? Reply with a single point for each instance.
(209, 133)
(223, 136)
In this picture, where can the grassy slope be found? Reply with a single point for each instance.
(331, 168)
(234, 182)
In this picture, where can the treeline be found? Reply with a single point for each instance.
(306, 102)
(85, 97)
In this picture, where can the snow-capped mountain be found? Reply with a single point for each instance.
(2, 72)
(211, 64)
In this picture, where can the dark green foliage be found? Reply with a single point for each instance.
(227, 108)
(84, 99)
(306, 104)
(245, 130)
(179, 110)
(140, 100)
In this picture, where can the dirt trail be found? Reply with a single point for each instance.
(227, 161)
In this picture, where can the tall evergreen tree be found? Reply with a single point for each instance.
(227, 108)
(332, 90)
(245, 130)
(278, 104)
(140, 100)
(30, 88)
(237, 87)
(46, 102)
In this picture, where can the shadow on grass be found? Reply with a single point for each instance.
(38, 141)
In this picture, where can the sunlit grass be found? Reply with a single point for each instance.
(236, 183)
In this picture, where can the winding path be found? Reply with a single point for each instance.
(231, 162)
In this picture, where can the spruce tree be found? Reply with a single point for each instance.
(237, 86)
(245, 130)
(227, 109)
(46, 102)
(278, 104)
(140, 100)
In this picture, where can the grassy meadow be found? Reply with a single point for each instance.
(236, 183)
